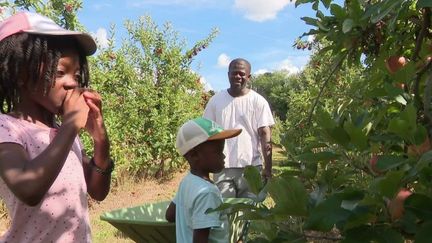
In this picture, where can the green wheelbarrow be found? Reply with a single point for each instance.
(147, 223)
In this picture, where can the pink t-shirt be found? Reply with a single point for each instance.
(62, 215)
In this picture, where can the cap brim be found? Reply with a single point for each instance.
(228, 133)
(86, 42)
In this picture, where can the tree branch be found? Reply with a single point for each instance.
(323, 237)
(427, 99)
(335, 68)
(423, 32)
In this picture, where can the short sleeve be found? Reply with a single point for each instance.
(9, 133)
(264, 114)
(200, 219)
(209, 111)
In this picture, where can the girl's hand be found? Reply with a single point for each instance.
(95, 125)
(75, 109)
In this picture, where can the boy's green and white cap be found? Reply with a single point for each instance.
(199, 130)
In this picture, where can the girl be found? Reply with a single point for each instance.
(44, 173)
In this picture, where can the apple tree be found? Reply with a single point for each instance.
(363, 172)
(147, 85)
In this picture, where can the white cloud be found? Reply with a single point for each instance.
(101, 37)
(144, 3)
(261, 71)
(286, 65)
(223, 60)
(310, 38)
(290, 65)
(207, 85)
(261, 10)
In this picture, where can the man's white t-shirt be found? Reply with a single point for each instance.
(248, 112)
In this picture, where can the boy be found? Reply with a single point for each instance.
(201, 142)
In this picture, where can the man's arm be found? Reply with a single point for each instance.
(266, 148)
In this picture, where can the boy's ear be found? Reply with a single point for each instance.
(191, 155)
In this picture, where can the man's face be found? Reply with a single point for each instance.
(239, 76)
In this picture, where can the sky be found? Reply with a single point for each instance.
(261, 31)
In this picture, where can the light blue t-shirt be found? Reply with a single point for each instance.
(194, 196)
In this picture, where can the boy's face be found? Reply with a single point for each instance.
(211, 158)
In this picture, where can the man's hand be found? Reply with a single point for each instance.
(266, 174)
(266, 149)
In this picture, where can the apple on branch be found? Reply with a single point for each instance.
(396, 205)
(395, 63)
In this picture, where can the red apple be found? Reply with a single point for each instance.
(399, 85)
(395, 63)
(396, 205)
(372, 162)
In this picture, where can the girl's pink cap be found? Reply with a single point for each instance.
(33, 23)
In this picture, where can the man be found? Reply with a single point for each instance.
(239, 107)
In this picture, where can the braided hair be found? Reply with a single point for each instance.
(27, 59)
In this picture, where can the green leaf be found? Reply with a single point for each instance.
(253, 178)
(324, 119)
(320, 156)
(373, 234)
(339, 135)
(423, 235)
(358, 137)
(289, 195)
(322, 26)
(337, 11)
(388, 186)
(424, 161)
(404, 74)
(310, 21)
(400, 127)
(299, 2)
(326, 215)
(326, 3)
(361, 215)
(420, 205)
(315, 5)
(405, 125)
(387, 162)
(420, 134)
(265, 228)
(384, 10)
(347, 25)
(424, 4)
